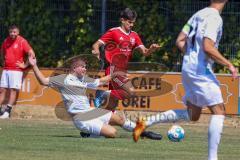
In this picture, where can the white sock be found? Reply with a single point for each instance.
(214, 135)
(129, 125)
(168, 116)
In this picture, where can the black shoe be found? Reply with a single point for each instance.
(151, 135)
(84, 135)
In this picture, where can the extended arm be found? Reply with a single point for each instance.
(147, 51)
(105, 79)
(43, 80)
(212, 51)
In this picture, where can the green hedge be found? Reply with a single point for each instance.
(59, 29)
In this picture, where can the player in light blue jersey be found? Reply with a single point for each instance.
(199, 41)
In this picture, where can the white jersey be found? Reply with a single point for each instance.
(200, 84)
(73, 90)
(204, 23)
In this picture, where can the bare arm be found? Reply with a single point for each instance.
(105, 79)
(25, 64)
(108, 78)
(147, 51)
(209, 48)
(40, 77)
(31, 53)
(42, 80)
(22, 65)
(181, 42)
(95, 49)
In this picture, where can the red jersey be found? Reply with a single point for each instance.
(118, 41)
(14, 50)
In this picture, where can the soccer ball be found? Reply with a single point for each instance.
(175, 133)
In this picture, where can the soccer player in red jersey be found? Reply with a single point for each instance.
(13, 51)
(119, 43)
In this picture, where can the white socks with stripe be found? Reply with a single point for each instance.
(168, 116)
(129, 125)
(214, 135)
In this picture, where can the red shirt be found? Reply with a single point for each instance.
(14, 50)
(118, 41)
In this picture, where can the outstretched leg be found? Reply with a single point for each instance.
(192, 113)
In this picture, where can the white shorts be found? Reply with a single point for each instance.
(11, 79)
(201, 91)
(94, 124)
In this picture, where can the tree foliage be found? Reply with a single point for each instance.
(58, 30)
(40, 26)
(55, 30)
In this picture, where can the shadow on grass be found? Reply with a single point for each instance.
(66, 136)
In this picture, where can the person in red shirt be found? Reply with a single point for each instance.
(119, 43)
(13, 51)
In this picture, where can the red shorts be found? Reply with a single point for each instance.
(116, 85)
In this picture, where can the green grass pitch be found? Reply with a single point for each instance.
(59, 140)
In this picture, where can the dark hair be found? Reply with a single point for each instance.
(13, 26)
(128, 14)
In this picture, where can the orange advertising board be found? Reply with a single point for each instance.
(154, 92)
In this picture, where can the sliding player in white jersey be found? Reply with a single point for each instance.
(199, 41)
(73, 88)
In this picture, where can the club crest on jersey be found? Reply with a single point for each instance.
(132, 41)
(121, 38)
(15, 46)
